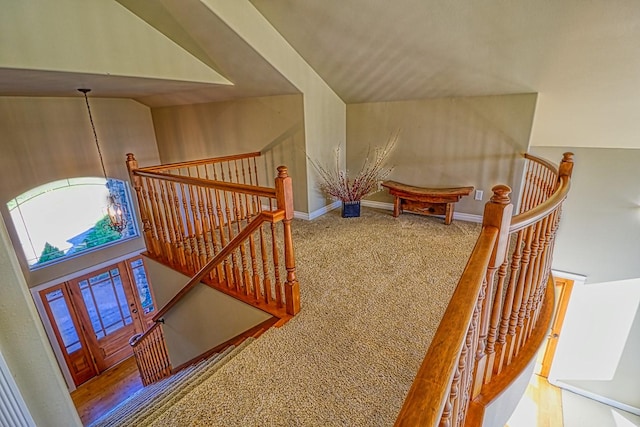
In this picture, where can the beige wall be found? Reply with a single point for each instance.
(205, 317)
(324, 111)
(600, 229)
(476, 141)
(598, 238)
(271, 124)
(96, 37)
(25, 348)
(599, 345)
(47, 139)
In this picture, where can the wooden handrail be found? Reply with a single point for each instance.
(501, 308)
(529, 217)
(544, 162)
(210, 160)
(438, 367)
(251, 190)
(495, 388)
(205, 219)
(261, 218)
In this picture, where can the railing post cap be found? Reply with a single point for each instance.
(567, 157)
(130, 156)
(283, 172)
(501, 194)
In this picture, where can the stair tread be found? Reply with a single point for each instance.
(141, 405)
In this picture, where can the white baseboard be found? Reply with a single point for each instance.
(596, 397)
(319, 212)
(378, 205)
(456, 215)
(578, 279)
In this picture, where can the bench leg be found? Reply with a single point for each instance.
(448, 217)
(396, 207)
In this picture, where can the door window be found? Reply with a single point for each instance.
(106, 302)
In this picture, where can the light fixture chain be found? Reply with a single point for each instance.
(95, 135)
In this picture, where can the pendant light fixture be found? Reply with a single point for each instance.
(115, 209)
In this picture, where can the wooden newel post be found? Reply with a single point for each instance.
(497, 213)
(132, 165)
(566, 165)
(284, 198)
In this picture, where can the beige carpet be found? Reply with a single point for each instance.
(373, 290)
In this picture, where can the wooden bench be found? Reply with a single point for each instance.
(425, 201)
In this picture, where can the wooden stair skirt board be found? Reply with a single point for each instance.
(424, 200)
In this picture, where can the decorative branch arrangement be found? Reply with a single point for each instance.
(337, 183)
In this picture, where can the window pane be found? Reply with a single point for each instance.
(112, 311)
(63, 218)
(63, 320)
(142, 285)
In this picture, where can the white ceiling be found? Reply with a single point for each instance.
(373, 50)
(381, 50)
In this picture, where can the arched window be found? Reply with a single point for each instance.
(67, 217)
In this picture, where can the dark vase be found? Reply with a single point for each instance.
(351, 209)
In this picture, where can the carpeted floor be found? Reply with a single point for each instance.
(373, 290)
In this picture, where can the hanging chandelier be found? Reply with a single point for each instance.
(115, 209)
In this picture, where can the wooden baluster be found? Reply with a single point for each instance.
(195, 206)
(166, 213)
(531, 185)
(215, 246)
(526, 190)
(136, 182)
(467, 374)
(508, 302)
(255, 169)
(550, 183)
(157, 218)
(530, 270)
(266, 281)
(225, 269)
(192, 249)
(284, 197)
(235, 165)
(454, 396)
(238, 207)
(537, 279)
(205, 224)
(496, 312)
(150, 230)
(211, 213)
(173, 206)
(276, 265)
(513, 321)
(255, 282)
(235, 279)
(497, 213)
(205, 221)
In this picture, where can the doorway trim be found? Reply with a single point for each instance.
(35, 295)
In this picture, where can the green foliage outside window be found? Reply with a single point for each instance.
(49, 253)
(101, 233)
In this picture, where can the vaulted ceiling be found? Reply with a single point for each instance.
(378, 50)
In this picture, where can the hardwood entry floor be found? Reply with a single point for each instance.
(98, 395)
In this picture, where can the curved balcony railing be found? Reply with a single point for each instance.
(500, 311)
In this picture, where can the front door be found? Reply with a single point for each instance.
(108, 313)
(63, 318)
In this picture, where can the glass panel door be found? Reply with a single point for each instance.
(65, 325)
(146, 301)
(105, 301)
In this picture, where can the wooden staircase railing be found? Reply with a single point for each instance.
(501, 309)
(210, 220)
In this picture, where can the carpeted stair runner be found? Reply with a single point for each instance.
(144, 406)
